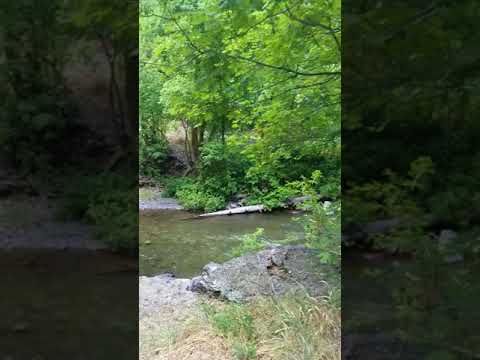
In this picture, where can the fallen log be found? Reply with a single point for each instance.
(239, 210)
(290, 203)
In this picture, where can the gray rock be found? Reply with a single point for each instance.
(276, 271)
(454, 258)
(163, 293)
(298, 200)
(446, 244)
(240, 197)
(233, 205)
(446, 237)
(238, 201)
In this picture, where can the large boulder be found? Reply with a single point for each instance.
(276, 271)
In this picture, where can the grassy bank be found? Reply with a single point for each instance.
(290, 328)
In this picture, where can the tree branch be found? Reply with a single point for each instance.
(282, 68)
(331, 31)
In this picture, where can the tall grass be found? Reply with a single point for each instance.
(297, 329)
(291, 328)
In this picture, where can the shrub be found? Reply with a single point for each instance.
(33, 126)
(193, 197)
(116, 215)
(323, 224)
(173, 184)
(152, 155)
(110, 203)
(222, 169)
(278, 197)
(80, 192)
(220, 173)
(323, 232)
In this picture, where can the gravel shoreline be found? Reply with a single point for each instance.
(159, 204)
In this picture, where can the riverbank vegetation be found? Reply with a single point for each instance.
(289, 328)
(297, 328)
(411, 132)
(69, 119)
(240, 103)
(246, 97)
(251, 89)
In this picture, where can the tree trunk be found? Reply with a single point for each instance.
(202, 135)
(187, 143)
(195, 145)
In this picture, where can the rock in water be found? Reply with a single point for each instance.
(276, 271)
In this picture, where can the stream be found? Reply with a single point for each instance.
(171, 241)
(68, 305)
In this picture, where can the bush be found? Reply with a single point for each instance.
(152, 155)
(323, 231)
(173, 184)
(278, 197)
(116, 215)
(193, 197)
(323, 224)
(33, 124)
(80, 192)
(110, 203)
(222, 169)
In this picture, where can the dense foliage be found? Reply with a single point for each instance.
(108, 201)
(255, 86)
(33, 106)
(410, 131)
(43, 136)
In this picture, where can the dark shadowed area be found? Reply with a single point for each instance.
(68, 180)
(410, 186)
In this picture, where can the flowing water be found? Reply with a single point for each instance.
(172, 241)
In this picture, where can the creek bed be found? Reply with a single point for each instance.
(170, 241)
